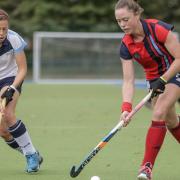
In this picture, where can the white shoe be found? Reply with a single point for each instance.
(145, 173)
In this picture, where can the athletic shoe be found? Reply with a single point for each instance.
(33, 162)
(145, 172)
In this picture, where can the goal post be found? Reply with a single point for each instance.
(77, 57)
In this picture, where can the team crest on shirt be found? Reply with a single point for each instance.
(136, 55)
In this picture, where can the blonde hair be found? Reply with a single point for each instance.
(130, 4)
(3, 15)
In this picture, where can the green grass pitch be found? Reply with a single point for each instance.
(67, 121)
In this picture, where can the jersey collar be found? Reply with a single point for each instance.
(145, 27)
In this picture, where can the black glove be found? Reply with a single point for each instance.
(158, 86)
(8, 94)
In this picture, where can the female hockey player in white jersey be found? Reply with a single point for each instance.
(13, 69)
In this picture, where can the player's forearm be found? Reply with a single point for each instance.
(20, 77)
(128, 91)
(22, 68)
(173, 70)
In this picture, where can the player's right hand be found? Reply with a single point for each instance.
(8, 94)
(123, 117)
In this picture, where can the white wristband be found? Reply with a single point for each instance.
(13, 87)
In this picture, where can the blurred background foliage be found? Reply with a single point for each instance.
(27, 16)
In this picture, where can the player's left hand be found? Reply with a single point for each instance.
(8, 94)
(158, 86)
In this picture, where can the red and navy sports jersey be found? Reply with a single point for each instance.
(151, 53)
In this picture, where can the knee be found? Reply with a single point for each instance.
(159, 113)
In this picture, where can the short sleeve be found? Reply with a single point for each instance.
(124, 52)
(162, 29)
(16, 41)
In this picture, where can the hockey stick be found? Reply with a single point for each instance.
(3, 105)
(75, 171)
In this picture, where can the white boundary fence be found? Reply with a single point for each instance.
(37, 40)
(37, 56)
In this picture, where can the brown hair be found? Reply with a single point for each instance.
(130, 4)
(3, 15)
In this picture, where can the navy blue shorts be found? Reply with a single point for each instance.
(8, 81)
(175, 80)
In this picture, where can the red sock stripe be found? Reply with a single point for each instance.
(158, 123)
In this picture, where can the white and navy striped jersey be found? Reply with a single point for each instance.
(12, 45)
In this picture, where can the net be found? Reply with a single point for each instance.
(77, 56)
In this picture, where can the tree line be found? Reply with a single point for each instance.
(27, 16)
